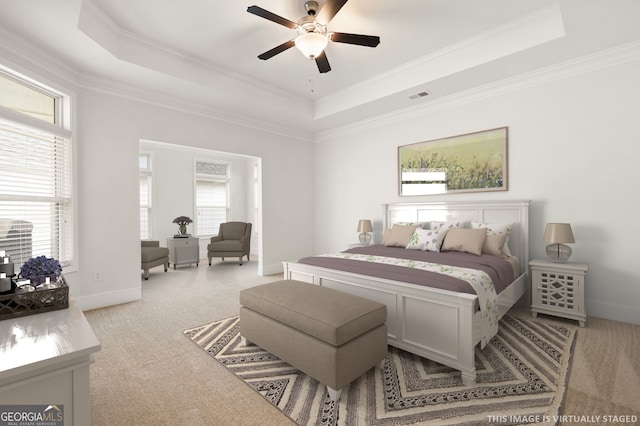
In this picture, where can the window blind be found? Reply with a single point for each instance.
(211, 206)
(35, 193)
(146, 181)
(145, 207)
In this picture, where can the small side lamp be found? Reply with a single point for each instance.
(364, 227)
(556, 234)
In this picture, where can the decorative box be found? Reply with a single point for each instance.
(35, 302)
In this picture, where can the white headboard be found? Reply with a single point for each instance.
(515, 212)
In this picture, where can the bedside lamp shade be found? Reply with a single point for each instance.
(556, 234)
(364, 227)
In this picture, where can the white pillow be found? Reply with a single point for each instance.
(427, 239)
(418, 240)
(438, 224)
(423, 225)
(496, 229)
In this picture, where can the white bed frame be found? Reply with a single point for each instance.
(436, 324)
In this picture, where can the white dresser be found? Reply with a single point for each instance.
(45, 360)
(183, 251)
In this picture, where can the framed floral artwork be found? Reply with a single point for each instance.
(474, 162)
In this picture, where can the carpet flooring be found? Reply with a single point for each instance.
(522, 376)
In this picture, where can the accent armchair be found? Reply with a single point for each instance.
(233, 239)
(153, 255)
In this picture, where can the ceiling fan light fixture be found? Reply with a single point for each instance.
(311, 44)
(313, 36)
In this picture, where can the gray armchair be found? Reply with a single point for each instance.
(153, 255)
(233, 239)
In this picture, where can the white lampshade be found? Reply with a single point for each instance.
(311, 44)
(556, 234)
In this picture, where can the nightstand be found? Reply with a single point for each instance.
(183, 251)
(558, 289)
(355, 245)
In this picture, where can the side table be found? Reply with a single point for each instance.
(558, 289)
(184, 251)
(354, 245)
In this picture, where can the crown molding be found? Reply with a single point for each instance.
(18, 55)
(586, 64)
(193, 108)
(534, 29)
(156, 99)
(127, 46)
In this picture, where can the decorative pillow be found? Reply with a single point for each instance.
(418, 240)
(427, 239)
(423, 225)
(496, 229)
(398, 235)
(494, 244)
(438, 224)
(465, 239)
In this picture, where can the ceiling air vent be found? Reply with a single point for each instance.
(419, 95)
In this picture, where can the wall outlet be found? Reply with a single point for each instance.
(97, 276)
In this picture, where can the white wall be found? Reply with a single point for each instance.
(573, 151)
(108, 135)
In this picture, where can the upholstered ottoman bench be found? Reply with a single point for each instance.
(332, 336)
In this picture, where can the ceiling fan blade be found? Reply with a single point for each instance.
(271, 16)
(359, 39)
(323, 63)
(329, 10)
(278, 49)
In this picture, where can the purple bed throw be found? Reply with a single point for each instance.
(500, 271)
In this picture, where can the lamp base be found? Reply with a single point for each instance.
(365, 238)
(559, 252)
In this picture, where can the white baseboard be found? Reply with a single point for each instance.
(628, 314)
(102, 300)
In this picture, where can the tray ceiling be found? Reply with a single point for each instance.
(204, 53)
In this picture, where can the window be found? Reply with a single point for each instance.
(211, 197)
(21, 97)
(36, 203)
(145, 195)
(256, 197)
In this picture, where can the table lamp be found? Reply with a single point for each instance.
(556, 234)
(364, 227)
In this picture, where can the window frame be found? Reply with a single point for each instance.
(61, 128)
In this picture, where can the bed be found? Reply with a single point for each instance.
(441, 325)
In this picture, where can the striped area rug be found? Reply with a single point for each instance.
(522, 376)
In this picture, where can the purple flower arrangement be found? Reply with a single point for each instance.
(37, 269)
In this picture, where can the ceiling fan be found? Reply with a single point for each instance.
(313, 35)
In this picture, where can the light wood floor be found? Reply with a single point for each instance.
(148, 373)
